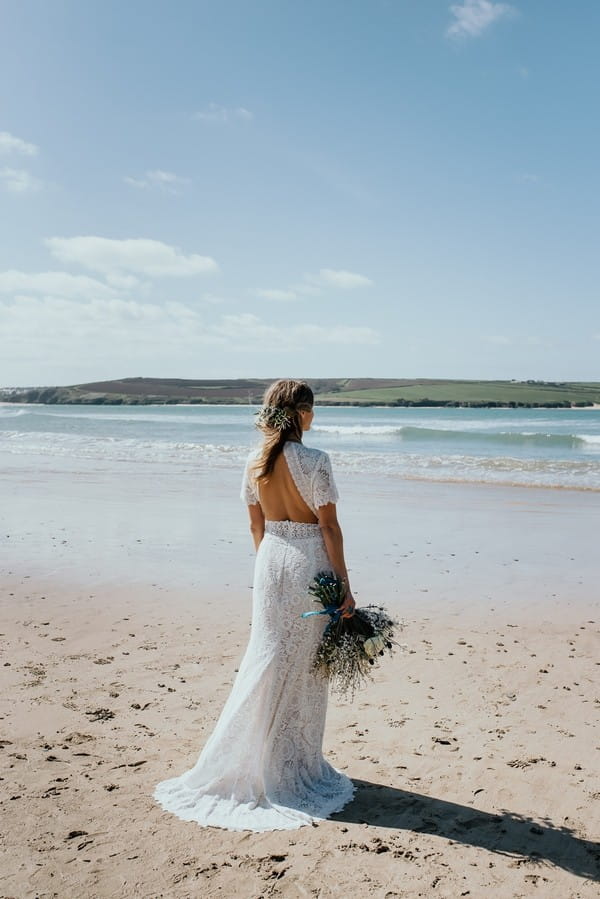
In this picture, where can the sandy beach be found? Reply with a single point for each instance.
(475, 751)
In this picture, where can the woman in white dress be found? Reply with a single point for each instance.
(262, 768)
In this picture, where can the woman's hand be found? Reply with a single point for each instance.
(347, 606)
(334, 544)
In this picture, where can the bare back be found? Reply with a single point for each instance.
(279, 497)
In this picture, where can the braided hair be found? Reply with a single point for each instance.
(279, 420)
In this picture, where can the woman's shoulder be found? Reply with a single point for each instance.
(310, 454)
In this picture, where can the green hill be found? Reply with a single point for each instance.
(328, 391)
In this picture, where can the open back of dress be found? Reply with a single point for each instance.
(280, 498)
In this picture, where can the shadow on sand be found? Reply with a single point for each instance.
(506, 833)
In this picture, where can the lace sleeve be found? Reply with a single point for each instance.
(248, 493)
(324, 489)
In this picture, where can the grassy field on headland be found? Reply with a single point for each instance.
(328, 391)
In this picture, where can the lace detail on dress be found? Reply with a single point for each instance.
(296, 529)
(311, 472)
(323, 484)
(249, 493)
(262, 768)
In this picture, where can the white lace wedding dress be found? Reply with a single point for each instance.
(262, 768)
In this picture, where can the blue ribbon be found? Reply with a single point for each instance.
(334, 611)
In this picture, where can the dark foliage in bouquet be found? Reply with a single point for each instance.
(349, 647)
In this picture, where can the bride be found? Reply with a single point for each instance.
(262, 768)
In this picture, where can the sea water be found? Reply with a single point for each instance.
(529, 447)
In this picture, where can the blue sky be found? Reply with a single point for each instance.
(229, 189)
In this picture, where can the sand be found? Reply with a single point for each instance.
(476, 752)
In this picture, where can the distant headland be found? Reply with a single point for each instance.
(328, 392)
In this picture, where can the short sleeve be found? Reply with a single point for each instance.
(324, 490)
(248, 493)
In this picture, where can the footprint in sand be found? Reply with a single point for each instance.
(37, 672)
(100, 715)
(76, 738)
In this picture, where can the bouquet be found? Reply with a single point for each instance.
(349, 646)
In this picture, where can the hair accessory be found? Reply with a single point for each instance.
(273, 417)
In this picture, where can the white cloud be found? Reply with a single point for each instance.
(19, 181)
(167, 181)
(343, 279)
(135, 182)
(11, 144)
(122, 282)
(57, 339)
(248, 332)
(313, 285)
(274, 294)
(307, 287)
(60, 284)
(499, 339)
(140, 255)
(56, 318)
(473, 17)
(59, 322)
(523, 71)
(53, 340)
(341, 334)
(214, 113)
(247, 327)
(158, 176)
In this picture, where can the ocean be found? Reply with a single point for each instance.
(529, 447)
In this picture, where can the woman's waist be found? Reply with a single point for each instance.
(292, 529)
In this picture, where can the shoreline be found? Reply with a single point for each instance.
(402, 536)
(510, 484)
(322, 405)
(137, 467)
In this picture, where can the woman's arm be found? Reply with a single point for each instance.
(257, 523)
(334, 544)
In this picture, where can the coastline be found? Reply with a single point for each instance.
(366, 404)
(402, 392)
(101, 526)
(511, 447)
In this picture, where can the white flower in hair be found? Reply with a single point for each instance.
(273, 417)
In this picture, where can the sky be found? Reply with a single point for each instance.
(274, 188)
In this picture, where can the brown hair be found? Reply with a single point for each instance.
(279, 421)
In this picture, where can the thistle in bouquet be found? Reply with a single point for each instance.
(349, 647)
